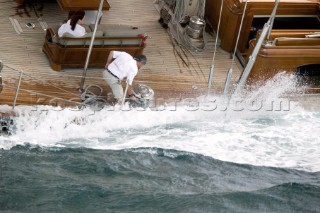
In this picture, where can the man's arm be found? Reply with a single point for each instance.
(130, 90)
(130, 93)
(109, 60)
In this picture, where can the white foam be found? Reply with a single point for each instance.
(278, 137)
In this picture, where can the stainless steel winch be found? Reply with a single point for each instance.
(144, 95)
(196, 27)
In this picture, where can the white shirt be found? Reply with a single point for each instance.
(123, 66)
(78, 31)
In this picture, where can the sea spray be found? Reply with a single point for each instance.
(281, 138)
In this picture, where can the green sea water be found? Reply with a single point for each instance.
(35, 179)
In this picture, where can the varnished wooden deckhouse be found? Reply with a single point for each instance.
(294, 43)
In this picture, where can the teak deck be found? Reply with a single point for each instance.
(171, 71)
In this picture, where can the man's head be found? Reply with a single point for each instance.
(141, 58)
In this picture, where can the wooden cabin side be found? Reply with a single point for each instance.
(232, 12)
(71, 52)
(272, 60)
(285, 51)
(288, 48)
(229, 22)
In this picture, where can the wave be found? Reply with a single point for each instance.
(279, 134)
(286, 197)
(80, 179)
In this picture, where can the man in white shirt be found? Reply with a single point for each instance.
(122, 65)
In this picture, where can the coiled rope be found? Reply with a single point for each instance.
(185, 9)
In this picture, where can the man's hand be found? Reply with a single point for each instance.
(132, 97)
(107, 64)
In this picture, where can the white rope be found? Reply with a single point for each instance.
(89, 94)
(183, 10)
(188, 8)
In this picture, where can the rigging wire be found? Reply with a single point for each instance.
(88, 97)
(266, 28)
(41, 80)
(39, 93)
(214, 52)
(229, 74)
(94, 78)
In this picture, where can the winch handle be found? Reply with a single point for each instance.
(125, 93)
